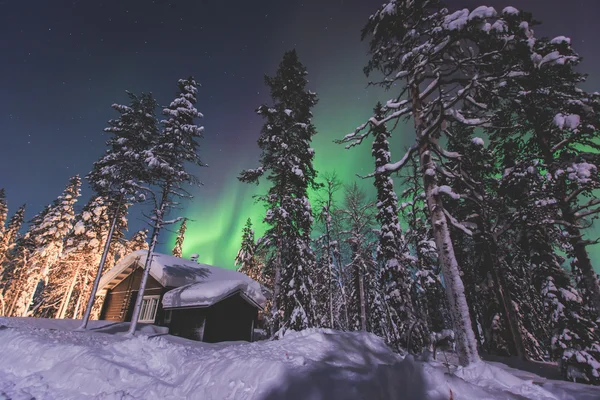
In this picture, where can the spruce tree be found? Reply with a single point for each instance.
(422, 48)
(358, 218)
(329, 262)
(168, 159)
(396, 277)
(177, 249)
(44, 244)
(554, 121)
(3, 213)
(7, 245)
(11, 234)
(121, 175)
(246, 258)
(287, 161)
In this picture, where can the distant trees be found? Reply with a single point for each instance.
(247, 258)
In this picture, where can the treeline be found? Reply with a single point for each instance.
(53, 270)
(496, 193)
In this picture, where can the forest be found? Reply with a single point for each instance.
(478, 233)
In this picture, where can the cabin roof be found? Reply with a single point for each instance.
(199, 285)
(207, 293)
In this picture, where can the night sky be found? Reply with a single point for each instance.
(63, 63)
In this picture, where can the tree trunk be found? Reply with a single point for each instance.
(330, 265)
(275, 312)
(363, 303)
(510, 314)
(160, 214)
(90, 304)
(466, 343)
(64, 305)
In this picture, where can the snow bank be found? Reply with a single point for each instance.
(313, 364)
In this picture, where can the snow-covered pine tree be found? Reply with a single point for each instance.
(3, 212)
(397, 281)
(11, 234)
(575, 342)
(168, 160)
(246, 258)
(288, 161)
(428, 291)
(436, 60)
(552, 120)
(7, 244)
(178, 248)
(121, 175)
(139, 241)
(358, 218)
(328, 263)
(71, 281)
(47, 241)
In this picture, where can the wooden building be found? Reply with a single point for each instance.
(195, 301)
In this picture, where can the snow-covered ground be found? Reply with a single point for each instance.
(46, 359)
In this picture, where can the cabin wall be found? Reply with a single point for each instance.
(229, 320)
(232, 319)
(188, 323)
(119, 302)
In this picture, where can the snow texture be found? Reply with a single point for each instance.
(197, 284)
(205, 294)
(478, 141)
(45, 359)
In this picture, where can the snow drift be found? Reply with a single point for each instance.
(58, 363)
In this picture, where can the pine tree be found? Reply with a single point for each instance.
(40, 250)
(246, 258)
(7, 245)
(3, 213)
(428, 291)
(286, 155)
(177, 250)
(174, 149)
(396, 277)
(11, 234)
(328, 262)
(358, 218)
(74, 273)
(17, 271)
(553, 121)
(48, 240)
(139, 241)
(121, 175)
(420, 47)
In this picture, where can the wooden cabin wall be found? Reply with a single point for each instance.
(119, 302)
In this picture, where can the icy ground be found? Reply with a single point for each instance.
(46, 359)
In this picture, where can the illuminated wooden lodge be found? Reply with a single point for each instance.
(195, 301)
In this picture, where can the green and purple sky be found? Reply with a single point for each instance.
(65, 62)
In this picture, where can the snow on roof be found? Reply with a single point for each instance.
(205, 294)
(197, 284)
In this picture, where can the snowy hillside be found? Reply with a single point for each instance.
(45, 359)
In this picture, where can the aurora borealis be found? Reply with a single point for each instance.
(65, 62)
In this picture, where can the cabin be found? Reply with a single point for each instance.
(195, 301)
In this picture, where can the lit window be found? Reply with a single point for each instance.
(149, 307)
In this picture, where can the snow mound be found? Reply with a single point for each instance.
(313, 364)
